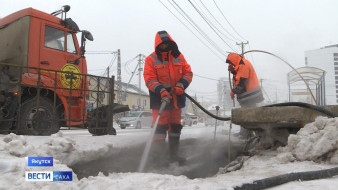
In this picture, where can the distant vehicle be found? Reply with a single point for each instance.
(186, 120)
(136, 119)
(193, 118)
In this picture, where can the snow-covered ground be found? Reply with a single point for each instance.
(117, 158)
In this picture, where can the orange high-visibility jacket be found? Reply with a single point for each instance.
(244, 69)
(165, 70)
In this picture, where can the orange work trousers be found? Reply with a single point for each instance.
(170, 121)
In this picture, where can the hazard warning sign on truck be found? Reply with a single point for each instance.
(68, 79)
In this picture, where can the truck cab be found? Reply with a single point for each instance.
(43, 72)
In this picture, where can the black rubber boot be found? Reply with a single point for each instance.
(158, 155)
(174, 142)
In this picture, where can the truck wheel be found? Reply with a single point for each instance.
(38, 121)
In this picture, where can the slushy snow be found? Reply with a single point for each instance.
(314, 147)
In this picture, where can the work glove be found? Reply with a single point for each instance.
(165, 93)
(179, 89)
(232, 95)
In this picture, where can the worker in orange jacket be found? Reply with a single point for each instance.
(245, 85)
(167, 74)
(245, 82)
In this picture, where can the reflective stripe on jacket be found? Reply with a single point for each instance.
(165, 70)
(244, 69)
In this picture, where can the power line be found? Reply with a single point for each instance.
(213, 25)
(197, 28)
(110, 65)
(228, 21)
(200, 92)
(191, 31)
(100, 52)
(210, 21)
(105, 51)
(210, 25)
(219, 22)
(253, 61)
(207, 77)
(125, 64)
(96, 69)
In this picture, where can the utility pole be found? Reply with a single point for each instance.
(140, 69)
(242, 46)
(119, 78)
(194, 106)
(107, 86)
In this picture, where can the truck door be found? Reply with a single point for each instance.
(58, 51)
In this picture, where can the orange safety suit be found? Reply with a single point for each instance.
(164, 70)
(245, 81)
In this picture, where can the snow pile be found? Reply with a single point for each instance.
(13, 150)
(15, 145)
(74, 147)
(317, 141)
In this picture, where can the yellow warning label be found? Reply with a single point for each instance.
(70, 76)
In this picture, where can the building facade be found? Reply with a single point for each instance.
(134, 97)
(326, 58)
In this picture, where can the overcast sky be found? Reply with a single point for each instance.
(286, 28)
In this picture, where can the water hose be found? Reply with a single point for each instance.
(299, 104)
(307, 85)
(281, 179)
(206, 111)
(305, 105)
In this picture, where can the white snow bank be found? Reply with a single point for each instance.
(317, 141)
(69, 149)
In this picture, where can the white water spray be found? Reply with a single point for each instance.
(146, 151)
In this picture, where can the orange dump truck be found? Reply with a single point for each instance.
(44, 81)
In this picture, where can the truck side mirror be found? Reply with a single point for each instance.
(88, 35)
(85, 35)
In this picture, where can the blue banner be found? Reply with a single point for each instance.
(62, 176)
(39, 161)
